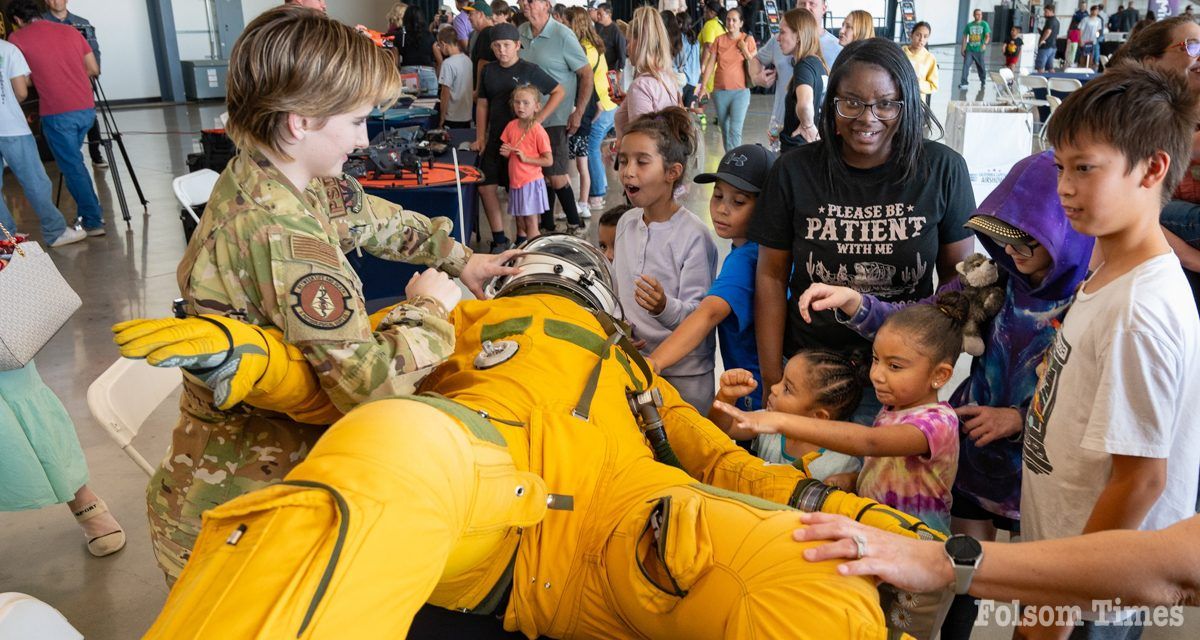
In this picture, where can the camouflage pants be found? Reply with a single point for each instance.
(215, 457)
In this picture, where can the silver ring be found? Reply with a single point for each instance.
(861, 543)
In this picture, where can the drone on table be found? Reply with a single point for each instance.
(398, 154)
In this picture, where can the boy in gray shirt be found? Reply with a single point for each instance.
(456, 82)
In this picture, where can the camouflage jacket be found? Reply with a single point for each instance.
(275, 257)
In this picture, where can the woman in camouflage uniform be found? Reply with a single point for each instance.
(270, 251)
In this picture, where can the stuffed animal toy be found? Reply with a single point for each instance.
(980, 278)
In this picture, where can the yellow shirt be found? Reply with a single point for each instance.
(600, 65)
(926, 67)
(711, 30)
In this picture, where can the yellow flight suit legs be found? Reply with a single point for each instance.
(743, 577)
(426, 498)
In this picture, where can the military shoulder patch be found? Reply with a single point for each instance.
(321, 301)
(345, 195)
(313, 250)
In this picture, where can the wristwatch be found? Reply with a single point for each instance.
(965, 554)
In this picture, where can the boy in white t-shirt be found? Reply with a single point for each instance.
(19, 151)
(456, 81)
(1111, 441)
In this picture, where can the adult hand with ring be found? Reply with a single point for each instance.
(913, 565)
(860, 543)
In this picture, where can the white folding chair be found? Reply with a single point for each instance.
(1004, 92)
(125, 395)
(193, 189)
(1042, 143)
(1026, 86)
(1064, 85)
(1007, 74)
(23, 616)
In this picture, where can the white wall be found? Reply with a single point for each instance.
(126, 49)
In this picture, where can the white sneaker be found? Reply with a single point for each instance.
(585, 211)
(596, 202)
(95, 233)
(559, 215)
(69, 236)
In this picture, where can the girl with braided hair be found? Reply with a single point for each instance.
(822, 384)
(911, 451)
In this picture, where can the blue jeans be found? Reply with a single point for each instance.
(1045, 59)
(1182, 218)
(21, 154)
(976, 58)
(601, 125)
(731, 111)
(426, 77)
(65, 133)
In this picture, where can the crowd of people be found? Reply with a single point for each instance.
(849, 293)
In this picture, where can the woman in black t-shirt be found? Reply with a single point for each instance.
(802, 106)
(872, 205)
(416, 50)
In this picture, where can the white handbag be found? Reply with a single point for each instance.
(35, 302)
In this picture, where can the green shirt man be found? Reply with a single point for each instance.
(977, 33)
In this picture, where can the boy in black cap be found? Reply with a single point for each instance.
(493, 113)
(729, 305)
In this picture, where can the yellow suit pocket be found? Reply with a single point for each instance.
(673, 552)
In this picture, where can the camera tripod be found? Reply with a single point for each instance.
(109, 133)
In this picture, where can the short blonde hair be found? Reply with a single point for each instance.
(292, 60)
(395, 15)
(652, 50)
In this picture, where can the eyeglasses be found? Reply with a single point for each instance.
(1192, 47)
(1025, 248)
(850, 108)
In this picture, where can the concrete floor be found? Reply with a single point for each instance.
(132, 274)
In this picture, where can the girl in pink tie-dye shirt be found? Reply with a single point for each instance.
(911, 452)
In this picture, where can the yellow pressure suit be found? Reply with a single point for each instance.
(560, 506)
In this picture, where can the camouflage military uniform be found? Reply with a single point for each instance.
(271, 256)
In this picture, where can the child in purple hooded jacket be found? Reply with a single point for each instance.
(1042, 260)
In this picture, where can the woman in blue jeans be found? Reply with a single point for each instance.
(727, 58)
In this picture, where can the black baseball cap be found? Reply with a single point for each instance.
(505, 31)
(743, 167)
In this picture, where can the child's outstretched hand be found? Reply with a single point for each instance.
(822, 297)
(736, 384)
(756, 421)
(649, 294)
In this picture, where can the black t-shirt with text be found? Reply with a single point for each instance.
(1052, 41)
(867, 233)
(809, 71)
(496, 85)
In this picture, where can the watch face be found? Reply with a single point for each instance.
(963, 549)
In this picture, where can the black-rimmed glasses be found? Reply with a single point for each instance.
(850, 108)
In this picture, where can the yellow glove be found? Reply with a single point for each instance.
(239, 362)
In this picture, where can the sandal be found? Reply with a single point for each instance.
(104, 544)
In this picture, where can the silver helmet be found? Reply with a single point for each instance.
(563, 264)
